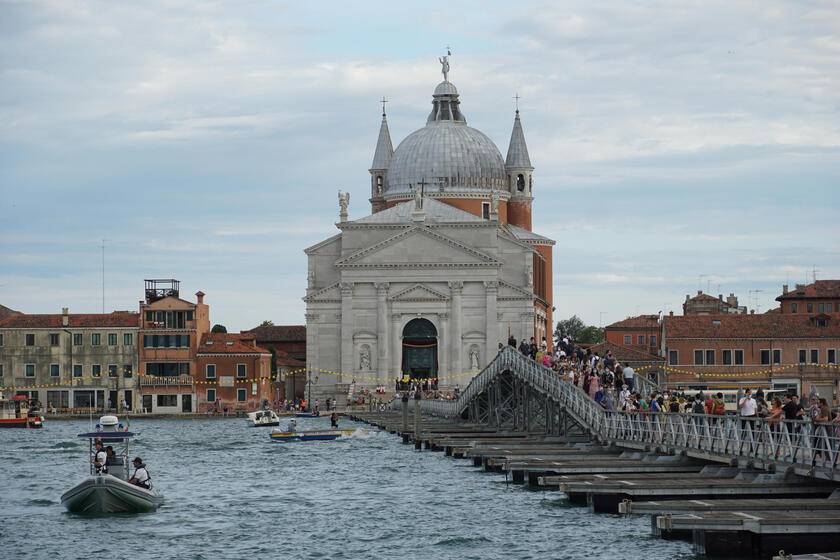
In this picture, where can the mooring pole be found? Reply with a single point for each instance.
(405, 412)
(418, 420)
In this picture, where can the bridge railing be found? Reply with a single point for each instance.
(790, 442)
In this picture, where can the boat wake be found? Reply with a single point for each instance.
(360, 433)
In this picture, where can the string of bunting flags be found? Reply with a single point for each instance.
(280, 377)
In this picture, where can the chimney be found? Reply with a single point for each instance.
(720, 297)
(671, 313)
(784, 289)
(752, 311)
(699, 292)
(65, 316)
(200, 296)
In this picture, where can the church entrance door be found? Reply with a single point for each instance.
(419, 351)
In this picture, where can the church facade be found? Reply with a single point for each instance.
(444, 268)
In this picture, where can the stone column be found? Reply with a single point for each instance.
(382, 330)
(456, 288)
(444, 352)
(491, 328)
(347, 357)
(396, 344)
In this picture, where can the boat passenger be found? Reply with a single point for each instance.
(100, 458)
(292, 426)
(334, 420)
(141, 476)
(110, 457)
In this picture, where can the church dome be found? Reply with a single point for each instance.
(446, 154)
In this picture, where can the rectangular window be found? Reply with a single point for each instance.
(189, 315)
(673, 357)
(640, 339)
(149, 316)
(167, 400)
(112, 370)
(112, 339)
(485, 210)
(698, 357)
(831, 356)
(77, 370)
(809, 307)
(53, 370)
(727, 357)
(652, 340)
(77, 339)
(1, 371)
(29, 370)
(710, 357)
(240, 395)
(765, 357)
(30, 340)
(739, 357)
(95, 339)
(211, 371)
(53, 339)
(240, 371)
(815, 356)
(128, 370)
(96, 370)
(794, 308)
(128, 339)
(820, 307)
(211, 395)
(829, 308)
(628, 339)
(1, 339)
(802, 356)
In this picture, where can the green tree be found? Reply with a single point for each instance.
(591, 335)
(218, 329)
(267, 323)
(570, 327)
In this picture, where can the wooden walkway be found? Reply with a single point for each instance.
(722, 509)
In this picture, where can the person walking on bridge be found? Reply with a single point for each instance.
(628, 375)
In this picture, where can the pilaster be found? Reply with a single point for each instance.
(382, 329)
(347, 328)
(396, 345)
(456, 288)
(491, 329)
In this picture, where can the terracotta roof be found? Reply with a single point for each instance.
(229, 343)
(638, 322)
(280, 333)
(821, 289)
(774, 310)
(290, 362)
(624, 353)
(53, 321)
(765, 325)
(5, 312)
(704, 297)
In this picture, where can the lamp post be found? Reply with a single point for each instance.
(418, 427)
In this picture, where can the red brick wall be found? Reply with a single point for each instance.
(256, 367)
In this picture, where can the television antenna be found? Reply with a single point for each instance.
(754, 293)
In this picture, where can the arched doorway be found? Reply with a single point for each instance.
(419, 350)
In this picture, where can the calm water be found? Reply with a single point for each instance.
(232, 493)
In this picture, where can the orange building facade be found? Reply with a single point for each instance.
(232, 373)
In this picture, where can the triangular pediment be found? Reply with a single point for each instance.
(418, 247)
(509, 291)
(419, 292)
(331, 293)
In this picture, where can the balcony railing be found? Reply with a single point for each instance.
(149, 380)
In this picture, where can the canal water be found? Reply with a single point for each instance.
(232, 493)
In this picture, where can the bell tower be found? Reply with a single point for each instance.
(519, 177)
(379, 167)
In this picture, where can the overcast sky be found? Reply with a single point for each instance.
(677, 145)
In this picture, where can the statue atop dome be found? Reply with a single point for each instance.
(444, 63)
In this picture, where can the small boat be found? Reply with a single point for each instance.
(313, 435)
(308, 415)
(16, 413)
(263, 418)
(110, 492)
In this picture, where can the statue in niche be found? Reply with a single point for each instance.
(474, 358)
(520, 182)
(343, 201)
(364, 358)
(529, 276)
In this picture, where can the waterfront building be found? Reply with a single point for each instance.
(287, 344)
(171, 329)
(822, 296)
(74, 360)
(232, 372)
(639, 333)
(444, 268)
(705, 304)
(773, 350)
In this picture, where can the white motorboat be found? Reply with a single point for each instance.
(110, 492)
(264, 417)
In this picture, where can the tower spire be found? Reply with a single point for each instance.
(517, 155)
(381, 161)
